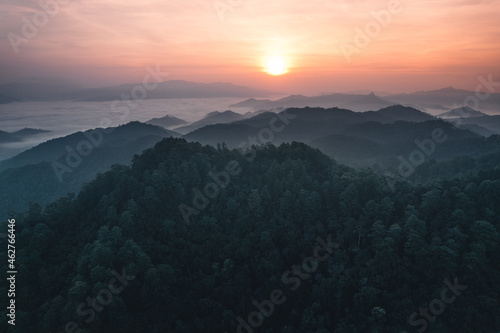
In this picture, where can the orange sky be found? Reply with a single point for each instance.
(424, 45)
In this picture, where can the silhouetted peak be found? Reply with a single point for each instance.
(292, 97)
(462, 112)
(447, 90)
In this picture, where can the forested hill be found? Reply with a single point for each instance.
(121, 257)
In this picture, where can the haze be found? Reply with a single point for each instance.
(426, 45)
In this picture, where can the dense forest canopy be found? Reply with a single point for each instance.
(398, 141)
(312, 245)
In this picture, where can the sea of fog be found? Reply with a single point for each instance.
(65, 117)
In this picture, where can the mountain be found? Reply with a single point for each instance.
(310, 123)
(56, 167)
(251, 114)
(316, 125)
(444, 91)
(189, 239)
(490, 123)
(354, 138)
(366, 102)
(405, 113)
(215, 117)
(361, 92)
(20, 135)
(62, 90)
(250, 103)
(463, 112)
(167, 121)
(373, 143)
(37, 90)
(230, 134)
(348, 147)
(477, 129)
(458, 166)
(447, 97)
(435, 100)
(175, 89)
(54, 149)
(353, 102)
(372, 139)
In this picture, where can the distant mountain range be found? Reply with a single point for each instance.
(251, 103)
(473, 120)
(375, 139)
(463, 112)
(167, 121)
(431, 101)
(486, 125)
(55, 149)
(354, 138)
(49, 170)
(37, 89)
(348, 101)
(57, 90)
(215, 117)
(20, 135)
(450, 98)
(390, 129)
(435, 101)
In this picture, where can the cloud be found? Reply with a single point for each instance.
(113, 40)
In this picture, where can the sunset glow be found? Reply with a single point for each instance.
(276, 65)
(334, 44)
(210, 157)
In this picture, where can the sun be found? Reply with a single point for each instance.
(276, 65)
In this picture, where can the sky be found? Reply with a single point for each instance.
(321, 45)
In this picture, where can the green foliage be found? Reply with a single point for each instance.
(396, 248)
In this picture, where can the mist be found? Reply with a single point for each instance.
(65, 117)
